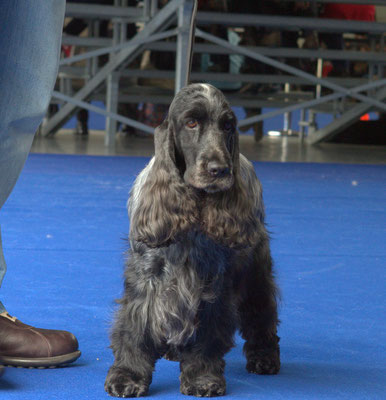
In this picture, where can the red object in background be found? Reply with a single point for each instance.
(354, 12)
(327, 68)
(365, 117)
(66, 50)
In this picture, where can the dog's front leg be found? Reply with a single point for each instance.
(131, 373)
(202, 376)
(202, 364)
(124, 382)
(258, 314)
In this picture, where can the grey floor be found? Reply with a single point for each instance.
(287, 149)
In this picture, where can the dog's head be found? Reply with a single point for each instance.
(204, 132)
(194, 181)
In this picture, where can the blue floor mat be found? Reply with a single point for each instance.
(64, 230)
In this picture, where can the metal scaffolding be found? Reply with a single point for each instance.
(347, 98)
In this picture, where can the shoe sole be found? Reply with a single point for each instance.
(45, 362)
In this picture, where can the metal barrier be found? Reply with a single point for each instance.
(367, 93)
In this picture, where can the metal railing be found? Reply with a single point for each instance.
(172, 21)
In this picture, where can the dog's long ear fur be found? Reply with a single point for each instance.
(233, 217)
(165, 207)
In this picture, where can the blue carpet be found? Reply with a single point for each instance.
(63, 228)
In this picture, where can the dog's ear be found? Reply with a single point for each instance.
(235, 152)
(229, 217)
(164, 146)
(164, 206)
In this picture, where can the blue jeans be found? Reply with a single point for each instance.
(30, 36)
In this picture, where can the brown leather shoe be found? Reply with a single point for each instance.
(25, 346)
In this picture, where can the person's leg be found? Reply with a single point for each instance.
(3, 268)
(30, 36)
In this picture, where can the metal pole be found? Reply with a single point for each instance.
(89, 60)
(381, 66)
(96, 32)
(153, 7)
(287, 115)
(112, 89)
(319, 70)
(371, 65)
(302, 123)
(185, 39)
(146, 8)
(123, 25)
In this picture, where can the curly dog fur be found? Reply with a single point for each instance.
(199, 266)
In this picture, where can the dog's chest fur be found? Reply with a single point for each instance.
(180, 286)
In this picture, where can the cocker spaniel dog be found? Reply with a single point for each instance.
(200, 265)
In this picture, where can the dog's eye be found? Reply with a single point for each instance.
(192, 123)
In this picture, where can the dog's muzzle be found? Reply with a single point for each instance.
(218, 170)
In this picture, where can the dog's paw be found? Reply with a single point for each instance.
(204, 387)
(264, 364)
(120, 383)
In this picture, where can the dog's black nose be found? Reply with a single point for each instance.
(217, 170)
